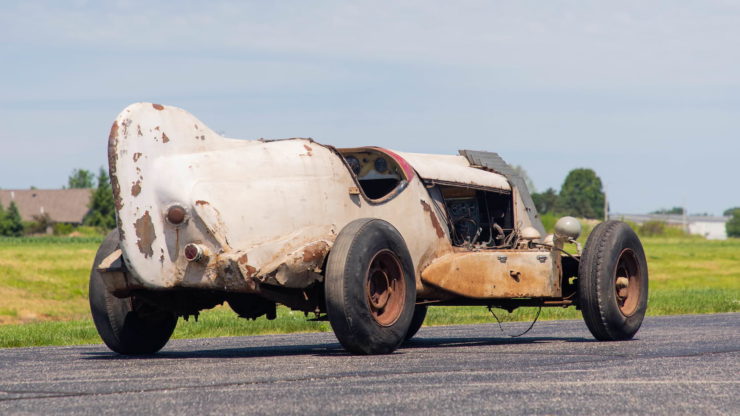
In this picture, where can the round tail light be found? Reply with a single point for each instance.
(176, 215)
(193, 252)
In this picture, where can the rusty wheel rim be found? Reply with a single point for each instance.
(627, 282)
(385, 288)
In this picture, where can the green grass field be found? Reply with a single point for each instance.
(43, 293)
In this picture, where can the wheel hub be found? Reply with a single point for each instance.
(627, 282)
(385, 288)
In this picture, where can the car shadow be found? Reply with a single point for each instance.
(326, 349)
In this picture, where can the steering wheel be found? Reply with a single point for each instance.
(462, 239)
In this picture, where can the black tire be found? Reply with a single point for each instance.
(370, 287)
(613, 282)
(420, 312)
(128, 326)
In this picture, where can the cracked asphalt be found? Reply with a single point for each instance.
(676, 365)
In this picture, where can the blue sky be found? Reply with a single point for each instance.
(645, 93)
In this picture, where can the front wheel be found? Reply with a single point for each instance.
(369, 287)
(613, 282)
(130, 325)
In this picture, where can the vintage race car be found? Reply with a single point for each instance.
(365, 237)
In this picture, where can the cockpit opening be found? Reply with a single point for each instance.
(377, 173)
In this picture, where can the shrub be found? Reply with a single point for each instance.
(652, 228)
(61, 228)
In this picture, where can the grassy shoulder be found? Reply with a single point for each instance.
(45, 279)
(43, 287)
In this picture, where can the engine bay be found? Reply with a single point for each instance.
(478, 218)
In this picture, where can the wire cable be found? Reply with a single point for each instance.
(490, 309)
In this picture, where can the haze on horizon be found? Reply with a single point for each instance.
(645, 93)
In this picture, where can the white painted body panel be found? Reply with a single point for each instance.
(454, 168)
(255, 205)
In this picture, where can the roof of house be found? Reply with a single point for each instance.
(62, 205)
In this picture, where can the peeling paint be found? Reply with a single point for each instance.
(250, 270)
(112, 166)
(146, 235)
(309, 150)
(138, 130)
(435, 222)
(125, 124)
(165, 139)
(315, 252)
(137, 155)
(136, 188)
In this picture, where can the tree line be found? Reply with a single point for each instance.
(581, 195)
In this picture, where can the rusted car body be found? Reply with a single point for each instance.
(204, 219)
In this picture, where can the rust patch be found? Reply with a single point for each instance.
(492, 274)
(125, 124)
(112, 160)
(250, 271)
(113, 131)
(165, 139)
(243, 259)
(158, 107)
(145, 233)
(201, 202)
(136, 188)
(137, 155)
(435, 221)
(309, 150)
(315, 252)
(156, 128)
(138, 130)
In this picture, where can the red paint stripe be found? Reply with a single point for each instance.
(408, 170)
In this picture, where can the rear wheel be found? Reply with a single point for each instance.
(370, 289)
(127, 325)
(613, 282)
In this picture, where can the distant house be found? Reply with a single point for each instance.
(710, 227)
(63, 205)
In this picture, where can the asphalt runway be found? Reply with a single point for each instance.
(677, 365)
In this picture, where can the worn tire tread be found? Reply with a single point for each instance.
(594, 297)
(346, 316)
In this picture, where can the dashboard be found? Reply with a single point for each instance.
(378, 174)
(370, 165)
